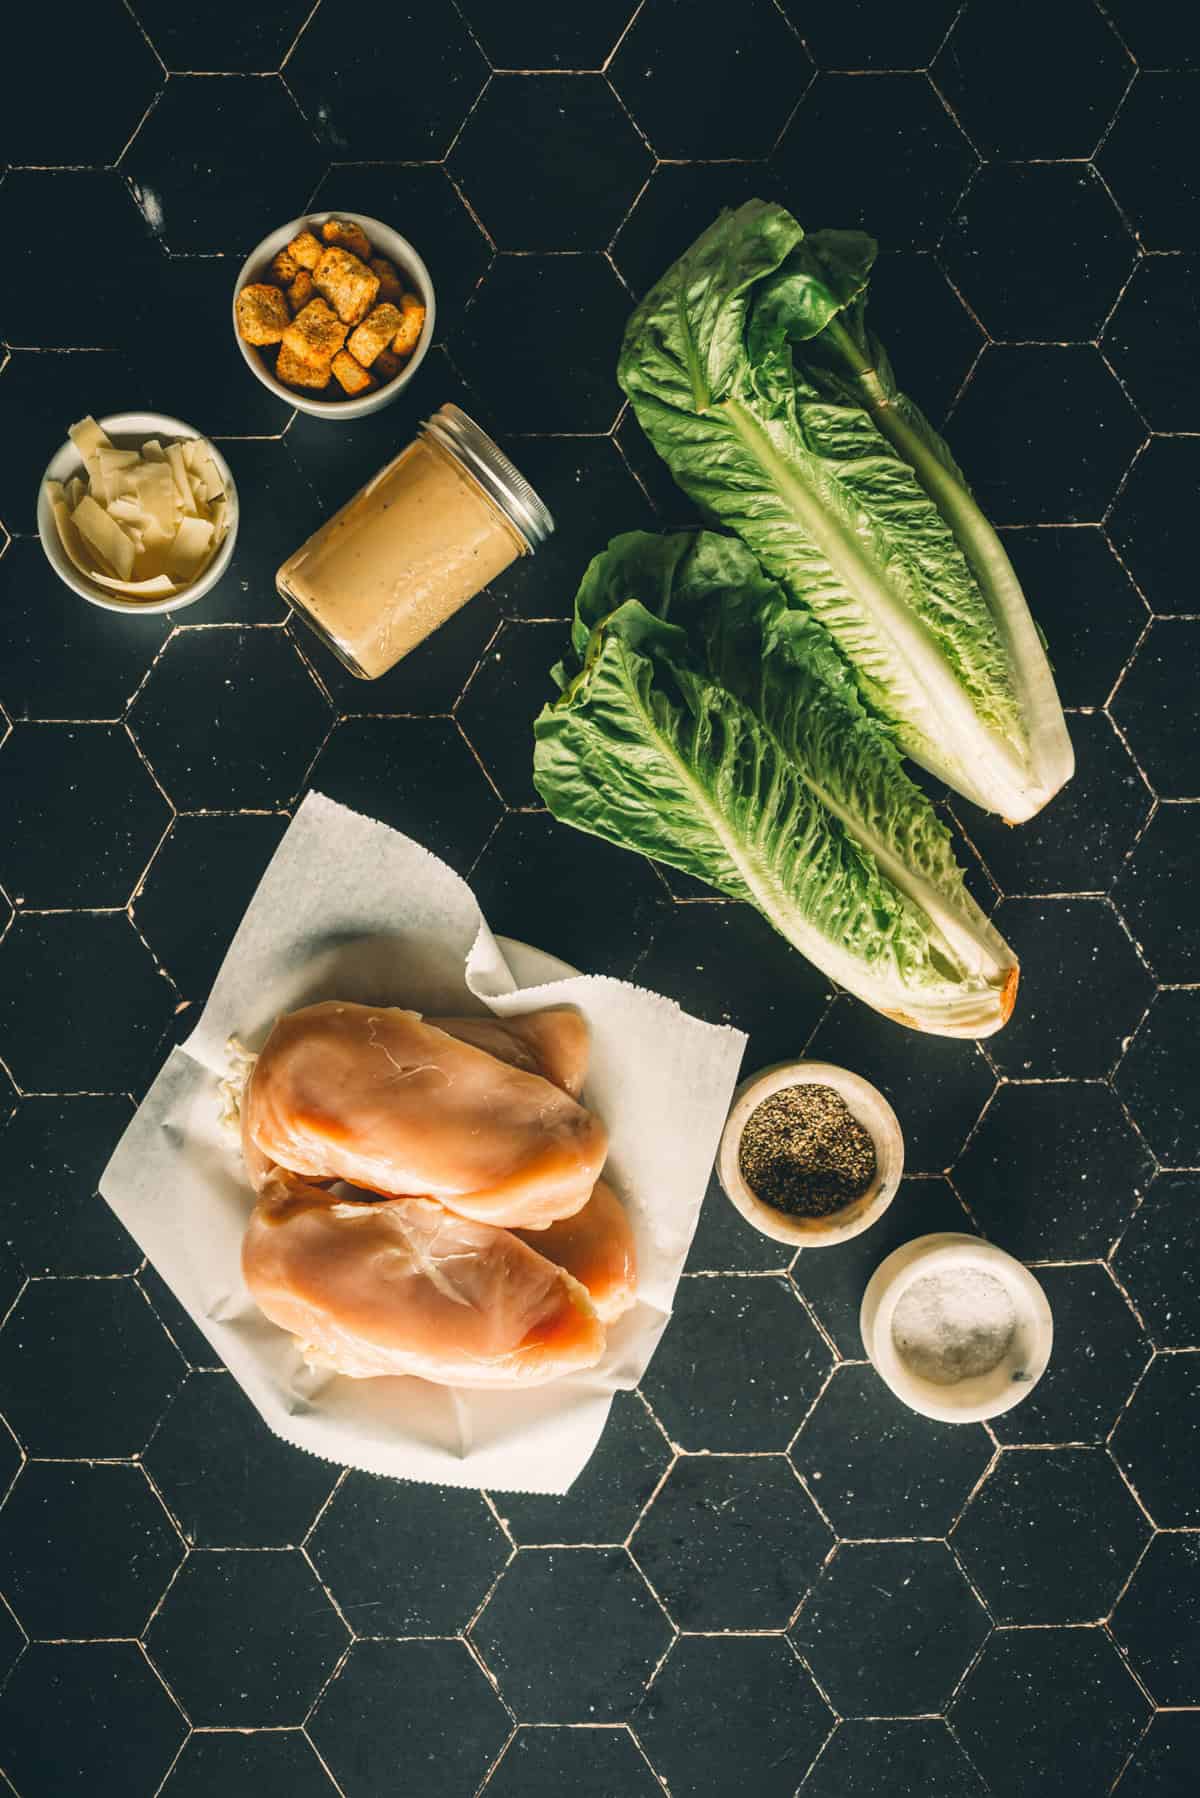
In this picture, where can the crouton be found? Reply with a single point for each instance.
(283, 268)
(411, 325)
(301, 290)
(306, 250)
(385, 366)
(375, 333)
(262, 313)
(390, 284)
(294, 371)
(351, 373)
(347, 237)
(315, 335)
(347, 283)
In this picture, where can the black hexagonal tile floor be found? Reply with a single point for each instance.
(671, 506)
(871, 34)
(246, 1638)
(84, 815)
(12, 1641)
(863, 1759)
(590, 1763)
(40, 393)
(890, 1628)
(1163, 1283)
(62, 1403)
(240, 1765)
(1157, 1078)
(909, 167)
(1083, 989)
(1164, 1762)
(87, 1717)
(1083, 600)
(221, 160)
(400, 108)
(251, 744)
(1158, 1437)
(12, 1278)
(1051, 1536)
(1046, 1712)
(285, 510)
(681, 200)
(423, 1707)
(1157, 1621)
(195, 1348)
(932, 340)
(1020, 405)
(879, 1469)
(1145, 522)
(1158, 867)
(725, 1243)
(232, 851)
(108, 238)
(731, 1542)
(1148, 705)
(725, 1704)
(542, 34)
(58, 1149)
(1056, 280)
(230, 1482)
(603, 1503)
(1146, 340)
(503, 697)
(739, 1366)
(88, 123)
(375, 1532)
(1068, 67)
(84, 1551)
(1054, 1170)
(526, 302)
(251, 38)
(1151, 161)
(572, 1635)
(1099, 1352)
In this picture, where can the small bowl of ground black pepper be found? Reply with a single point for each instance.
(811, 1153)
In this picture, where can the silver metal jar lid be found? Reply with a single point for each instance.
(500, 480)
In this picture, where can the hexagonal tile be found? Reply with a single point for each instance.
(890, 1627)
(1058, 280)
(1068, 67)
(603, 1503)
(571, 1634)
(1054, 1171)
(932, 340)
(85, 815)
(1160, 863)
(285, 510)
(251, 38)
(1045, 1712)
(94, 122)
(12, 1641)
(421, 1706)
(910, 165)
(246, 1638)
(1146, 339)
(360, 104)
(739, 1366)
(1099, 1352)
(723, 1704)
(1151, 160)
(108, 238)
(1083, 989)
(1163, 1283)
(731, 1542)
(376, 1531)
(526, 302)
(1021, 402)
(213, 384)
(251, 744)
(725, 1243)
(863, 1758)
(511, 685)
(541, 34)
(195, 1348)
(1157, 1438)
(1157, 1078)
(1067, 573)
(1159, 36)
(244, 1766)
(590, 1763)
(1157, 1621)
(879, 1469)
(87, 1717)
(233, 852)
(221, 159)
(63, 1404)
(1051, 1536)
(671, 506)
(1164, 1762)
(12, 1278)
(871, 34)
(229, 1481)
(84, 1551)
(680, 200)
(58, 1148)
(1152, 698)
(1145, 521)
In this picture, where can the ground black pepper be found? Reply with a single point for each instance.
(803, 1151)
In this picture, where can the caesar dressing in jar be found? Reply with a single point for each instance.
(425, 535)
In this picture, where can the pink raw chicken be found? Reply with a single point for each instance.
(403, 1286)
(596, 1246)
(553, 1043)
(383, 1099)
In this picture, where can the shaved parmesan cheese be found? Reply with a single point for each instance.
(154, 486)
(179, 473)
(159, 586)
(88, 437)
(102, 534)
(72, 542)
(190, 550)
(152, 451)
(206, 470)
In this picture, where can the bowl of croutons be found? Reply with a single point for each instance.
(334, 313)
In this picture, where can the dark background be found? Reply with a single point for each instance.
(827, 1593)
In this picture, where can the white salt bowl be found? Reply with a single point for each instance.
(972, 1399)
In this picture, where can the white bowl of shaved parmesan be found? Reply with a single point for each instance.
(138, 513)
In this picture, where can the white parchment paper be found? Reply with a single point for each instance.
(349, 909)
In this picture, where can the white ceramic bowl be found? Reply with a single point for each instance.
(865, 1103)
(385, 242)
(984, 1395)
(129, 430)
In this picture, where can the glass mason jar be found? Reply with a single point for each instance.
(423, 536)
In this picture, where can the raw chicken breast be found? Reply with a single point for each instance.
(379, 1097)
(553, 1043)
(403, 1286)
(596, 1246)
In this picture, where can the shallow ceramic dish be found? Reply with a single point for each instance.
(129, 430)
(384, 242)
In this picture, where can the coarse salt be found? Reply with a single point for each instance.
(954, 1326)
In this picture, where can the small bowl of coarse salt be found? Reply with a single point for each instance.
(956, 1327)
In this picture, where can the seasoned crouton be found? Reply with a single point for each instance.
(351, 373)
(347, 283)
(375, 333)
(283, 268)
(385, 366)
(390, 284)
(411, 325)
(315, 335)
(306, 250)
(296, 371)
(262, 313)
(301, 290)
(347, 237)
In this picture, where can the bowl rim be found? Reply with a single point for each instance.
(67, 461)
(866, 1103)
(397, 249)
